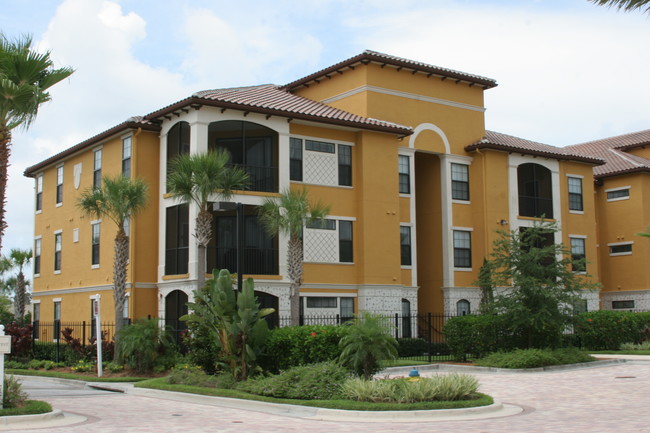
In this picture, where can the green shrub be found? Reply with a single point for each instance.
(15, 365)
(367, 342)
(292, 346)
(320, 381)
(631, 346)
(144, 346)
(412, 347)
(194, 376)
(14, 396)
(477, 335)
(113, 367)
(83, 366)
(607, 330)
(439, 388)
(534, 358)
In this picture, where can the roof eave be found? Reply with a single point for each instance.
(623, 172)
(196, 101)
(511, 149)
(124, 126)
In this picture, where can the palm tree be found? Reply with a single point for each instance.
(288, 214)
(118, 198)
(25, 76)
(200, 178)
(18, 259)
(625, 5)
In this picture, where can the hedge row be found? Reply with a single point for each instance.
(607, 330)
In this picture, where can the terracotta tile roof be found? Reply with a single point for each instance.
(402, 63)
(134, 122)
(613, 151)
(509, 143)
(271, 99)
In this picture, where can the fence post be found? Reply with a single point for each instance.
(430, 336)
(83, 334)
(396, 326)
(338, 319)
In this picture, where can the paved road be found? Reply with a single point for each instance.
(600, 400)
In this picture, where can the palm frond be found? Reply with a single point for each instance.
(625, 5)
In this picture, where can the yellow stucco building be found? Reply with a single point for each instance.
(417, 188)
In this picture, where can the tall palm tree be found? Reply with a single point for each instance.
(25, 76)
(118, 198)
(17, 260)
(200, 178)
(625, 5)
(288, 214)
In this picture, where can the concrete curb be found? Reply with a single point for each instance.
(39, 417)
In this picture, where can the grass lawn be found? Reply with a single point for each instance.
(31, 407)
(78, 376)
(162, 384)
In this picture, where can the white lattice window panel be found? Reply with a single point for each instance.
(321, 246)
(321, 168)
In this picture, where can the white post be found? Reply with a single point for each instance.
(5, 347)
(98, 333)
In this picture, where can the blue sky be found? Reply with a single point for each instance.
(568, 71)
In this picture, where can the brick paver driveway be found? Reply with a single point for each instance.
(603, 399)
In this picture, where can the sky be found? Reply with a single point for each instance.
(568, 71)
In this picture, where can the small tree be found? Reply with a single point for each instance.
(367, 342)
(539, 286)
(485, 283)
(235, 322)
(288, 214)
(18, 259)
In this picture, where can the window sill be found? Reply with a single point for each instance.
(620, 254)
(321, 184)
(38, 212)
(405, 195)
(454, 200)
(618, 199)
(57, 272)
(577, 212)
(94, 267)
(36, 275)
(462, 269)
(407, 267)
(329, 263)
(528, 218)
(59, 204)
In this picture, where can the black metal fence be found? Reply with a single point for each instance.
(421, 336)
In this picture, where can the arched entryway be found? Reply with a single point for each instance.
(175, 308)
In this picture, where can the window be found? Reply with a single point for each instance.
(619, 249)
(125, 311)
(460, 182)
(57, 320)
(95, 244)
(127, 232)
(36, 319)
(319, 146)
(126, 156)
(57, 252)
(462, 307)
(462, 249)
(321, 302)
(37, 256)
(618, 305)
(39, 192)
(535, 191)
(325, 224)
(405, 245)
(345, 165)
(345, 242)
(404, 174)
(406, 319)
(295, 159)
(59, 185)
(578, 255)
(347, 308)
(575, 194)
(580, 306)
(618, 194)
(177, 240)
(97, 169)
(178, 142)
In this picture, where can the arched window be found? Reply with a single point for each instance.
(178, 141)
(462, 307)
(406, 318)
(535, 191)
(252, 147)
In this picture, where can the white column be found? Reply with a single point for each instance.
(446, 217)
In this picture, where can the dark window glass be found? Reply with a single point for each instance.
(322, 224)
(321, 302)
(345, 242)
(57, 252)
(95, 244)
(252, 147)
(459, 182)
(345, 165)
(462, 249)
(295, 159)
(622, 304)
(535, 191)
(97, 169)
(178, 141)
(404, 175)
(59, 185)
(462, 307)
(575, 193)
(405, 245)
(347, 308)
(620, 249)
(319, 146)
(177, 240)
(578, 256)
(619, 193)
(126, 156)
(37, 256)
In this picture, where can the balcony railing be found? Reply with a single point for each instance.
(532, 206)
(257, 261)
(262, 178)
